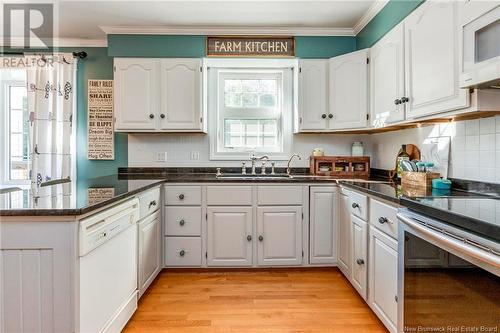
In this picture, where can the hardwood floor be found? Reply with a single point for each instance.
(271, 301)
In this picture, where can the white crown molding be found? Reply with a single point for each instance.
(374, 9)
(60, 42)
(208, 30)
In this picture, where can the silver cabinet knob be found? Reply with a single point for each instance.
(249, 238)
(182, 222)
(181, 196)
(396, 298)
(182, 253)
(360, 261)
(261, 238)
(355, 205)
(152, 203)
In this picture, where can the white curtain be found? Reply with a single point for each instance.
(51, 106)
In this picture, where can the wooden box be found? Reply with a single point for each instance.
(340, 166)
(418, 179)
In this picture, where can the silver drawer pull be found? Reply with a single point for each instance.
(182, 222)
(360, 261)
(249, 238)
(355, 205)
(383, 220)
(182, 253)
(181, 196)
(152, 203)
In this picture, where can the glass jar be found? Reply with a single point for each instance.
(357, 149)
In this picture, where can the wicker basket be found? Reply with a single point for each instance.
(418, 179)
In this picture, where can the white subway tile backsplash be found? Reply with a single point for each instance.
(497, 160)
(472, 127)
(459, 128)
(487, 125)
(472, 173)
(472, 142)
(487, 174)
(497, 141)
(487, 159)
(497, 121)
(487, 142)
(471, 158)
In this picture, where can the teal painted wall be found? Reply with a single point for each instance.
(393, 13)
(97, 65)
(194, 46)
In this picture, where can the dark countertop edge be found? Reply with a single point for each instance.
(455, 219)
(75, 212)
(359, 188)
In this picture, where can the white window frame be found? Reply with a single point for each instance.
(213, 67)
(5, 126)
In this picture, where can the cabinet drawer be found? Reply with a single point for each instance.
(182, 221)
(182, 195)
(279, 195)
(383, 217)
(229, 195)
(182, 251)
(149, 202)
(359, 205)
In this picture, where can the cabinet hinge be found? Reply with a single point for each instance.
(302, 216)
(367, 60)
(114, 68)
(201, 69)
(206, 254)
(114, 119)
(206, 216)
(300, 120)
(302, 254)
(201, 119)
(300, 69)
(367, 116)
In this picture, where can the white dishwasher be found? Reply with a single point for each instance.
(108, 268)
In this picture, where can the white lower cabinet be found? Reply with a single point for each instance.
(344, 239)
(323, 225)
(182, 251)
(149, 250)
(279, 232)
(229, 236)
(359, 236)
(383, 283)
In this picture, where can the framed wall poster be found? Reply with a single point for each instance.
(100, 121)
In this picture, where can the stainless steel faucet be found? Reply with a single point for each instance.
(289, 161)
(254, 158)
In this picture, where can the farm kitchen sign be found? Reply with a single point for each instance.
(251, 46)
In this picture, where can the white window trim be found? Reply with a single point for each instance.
(5, 147)
(211, 65)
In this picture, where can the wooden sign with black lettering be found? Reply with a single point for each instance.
(251, 46)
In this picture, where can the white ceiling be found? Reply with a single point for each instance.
(84, 19)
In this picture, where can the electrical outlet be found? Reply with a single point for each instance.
(195, 155)
(161, 156)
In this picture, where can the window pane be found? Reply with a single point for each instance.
(19, 135)
(17, 97)
(250, 133)
(250, 93)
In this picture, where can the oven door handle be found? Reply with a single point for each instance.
(468, 249)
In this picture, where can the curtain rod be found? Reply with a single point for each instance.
(79, 54)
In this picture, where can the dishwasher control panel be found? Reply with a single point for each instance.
(98, 229)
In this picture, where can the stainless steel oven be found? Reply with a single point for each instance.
(448, 278)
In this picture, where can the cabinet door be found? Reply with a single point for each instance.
(432, 58)
(313, 95)
(387, 79)
(181, 94)
(359, 238)
(279, 232)
(383, 278)
(136, 94)
(344, 239)
(149, 251)
(229, 236)
(323, 219)
(348, 87)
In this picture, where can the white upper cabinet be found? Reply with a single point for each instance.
(387, 79)
(432, 58)
(180, 94)
(158, 95)
(136, 94)
(348, 87)
(313, 95)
